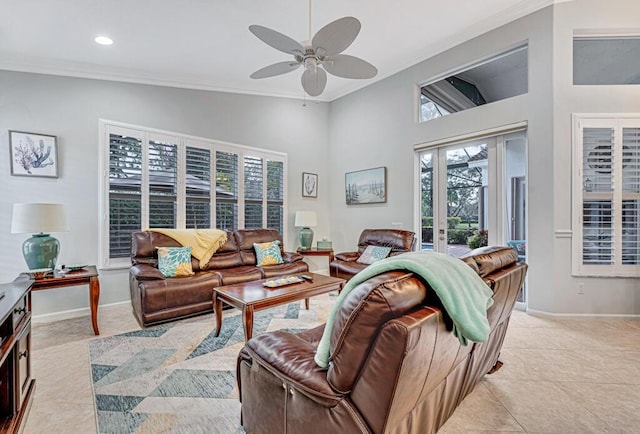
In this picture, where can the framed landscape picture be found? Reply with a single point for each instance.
(33, 154)
(366, 186)
(309, 184)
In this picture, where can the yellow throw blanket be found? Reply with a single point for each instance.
(203, 242)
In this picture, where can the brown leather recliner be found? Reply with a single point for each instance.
(346, 264)
(395, 365)
(156, 299)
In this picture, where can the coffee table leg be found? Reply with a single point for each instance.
(217, 309)
(306, 303)
(247, 321)
(94, 298)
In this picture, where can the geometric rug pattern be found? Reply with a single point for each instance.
(178, 377)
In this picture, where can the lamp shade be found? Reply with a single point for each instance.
(31, 218)
(306, 219)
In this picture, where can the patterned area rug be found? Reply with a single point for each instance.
(178, 377)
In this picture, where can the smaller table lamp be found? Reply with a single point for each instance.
(305, 219)
(39, 219)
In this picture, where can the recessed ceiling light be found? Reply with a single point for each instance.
(103, 40)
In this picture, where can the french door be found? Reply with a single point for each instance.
(473, 193)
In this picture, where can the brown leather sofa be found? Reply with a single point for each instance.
(395, 365)
(345, 265)
(156, 299)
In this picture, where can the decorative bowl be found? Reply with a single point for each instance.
(39, 273)
(75, 267)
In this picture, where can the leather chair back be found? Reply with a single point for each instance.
(400, 241)
(246, 237)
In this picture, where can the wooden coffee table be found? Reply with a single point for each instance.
(253, 296)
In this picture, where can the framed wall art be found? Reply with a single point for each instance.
(366, 186)
(309, 184)
(33, 154)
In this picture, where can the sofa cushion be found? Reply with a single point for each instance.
(175, 261)
(374, 253)
(227, 256)
(246, 237)
(232, 276)
(268, 253)
(282, 269)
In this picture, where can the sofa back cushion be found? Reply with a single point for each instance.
(247, 237)
(400, 241)
(227, 256)
(366, 308)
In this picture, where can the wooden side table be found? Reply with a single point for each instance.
(86, 276)
(317, 252)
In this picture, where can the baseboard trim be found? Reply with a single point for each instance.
(73, 313)
(549, 315)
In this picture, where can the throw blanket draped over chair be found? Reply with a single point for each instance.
(203, 242)
(464, 296)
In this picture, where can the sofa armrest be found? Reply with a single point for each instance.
(348, 256)
(290, 358)
(290, 257)
(145, 272)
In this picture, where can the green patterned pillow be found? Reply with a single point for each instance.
(174, 261)
(373, 253)
(268, 253)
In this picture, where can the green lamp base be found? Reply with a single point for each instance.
(306, 238)
(41, 251)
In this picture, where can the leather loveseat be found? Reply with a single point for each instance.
(156, 299)
(346, 265)
(395, 366)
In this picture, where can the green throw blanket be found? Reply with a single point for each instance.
(464, 295)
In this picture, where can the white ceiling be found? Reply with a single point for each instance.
(206, 44)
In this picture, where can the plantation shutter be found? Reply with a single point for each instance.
(198, 188)
(597, 204)
(226, 191)
(630, 196)
(163, 184)
(275, 195)
(253, 179)
(125, 193)
(608, 201)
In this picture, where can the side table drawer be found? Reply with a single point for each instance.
(20, 311)
(23, 364)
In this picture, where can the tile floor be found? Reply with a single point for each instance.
(569, 376)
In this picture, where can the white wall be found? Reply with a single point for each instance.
(602, 295)
(69, 108)
(378, 126)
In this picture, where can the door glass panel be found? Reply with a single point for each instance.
(515, 162)
(467, 197)
(426, 200)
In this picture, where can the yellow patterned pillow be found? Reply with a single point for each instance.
(268, 253)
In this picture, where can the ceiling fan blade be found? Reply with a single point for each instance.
(336, 36)
(314, 81)
(347, 66)
(277, 40)
(276, 69)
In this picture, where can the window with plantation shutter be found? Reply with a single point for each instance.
(606, 196)
(198, 188)
(154, 179)
(163, 184)
(253, 178)
(226, 190)
(275, 194)
(125, 194)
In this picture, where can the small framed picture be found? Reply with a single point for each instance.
(33, 154)
(309, 184)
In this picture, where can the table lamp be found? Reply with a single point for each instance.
(39, 219)
(305, 219)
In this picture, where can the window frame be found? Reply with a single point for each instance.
(615, 121)
(145, 134)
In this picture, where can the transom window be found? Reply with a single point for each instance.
(156, 179)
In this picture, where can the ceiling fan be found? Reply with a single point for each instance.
(319, 54)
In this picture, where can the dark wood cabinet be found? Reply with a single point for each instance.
(16, 382)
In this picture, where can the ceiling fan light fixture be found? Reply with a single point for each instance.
(324, 49)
